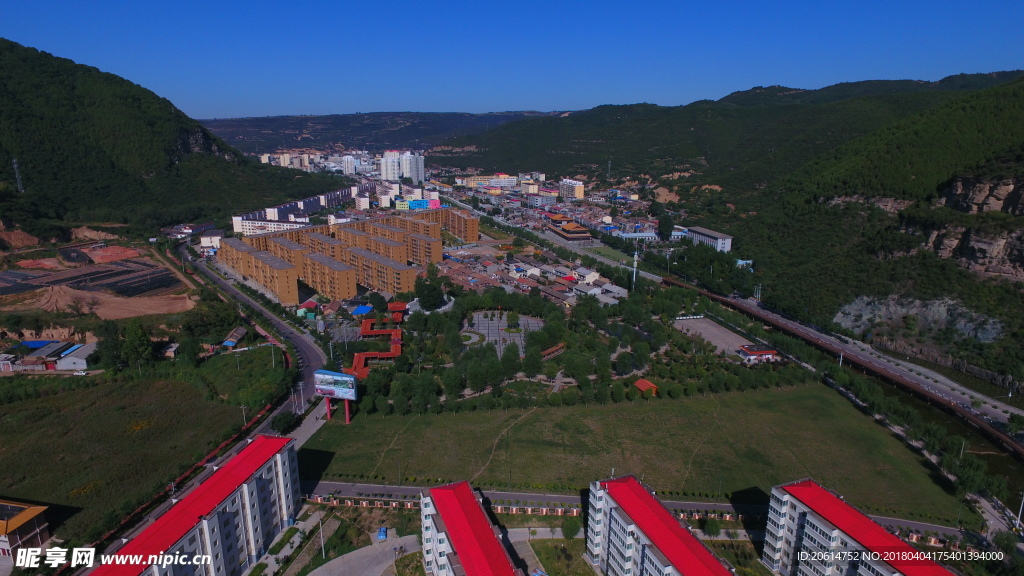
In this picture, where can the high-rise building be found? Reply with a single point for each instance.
(458, 539)
(412, 167)
(570, 189)
(231, 517)
(813, 532)
(390, 168)
(630, 533)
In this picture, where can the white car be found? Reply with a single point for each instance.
(81, 373)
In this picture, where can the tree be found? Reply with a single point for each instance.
(711, 526)
(519, 242)
(284, 422)
(138, 347)
(1015, 424)
(513, 319)
(614, 212)
(570, 527)
(430, 294)
(665, 227)
(377, 301)
(532, 362)
(510, 360)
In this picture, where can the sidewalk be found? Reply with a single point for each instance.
(311, 423)
(370, 560)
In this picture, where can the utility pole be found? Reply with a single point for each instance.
(244, 420)
(635, 254)
(17, 176)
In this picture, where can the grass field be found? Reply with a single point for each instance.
(609, 252)
(699, 447)
(92, 453)
(741, 554)
(410, 565)
(562, 557)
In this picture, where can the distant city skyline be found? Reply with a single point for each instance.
(223, 60)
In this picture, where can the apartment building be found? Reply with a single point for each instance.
(813, 532)
(237, 255)
(350, 235)
(288, 250)
(457, 537)
(323, 244)
(424, 249)
(335, 280)
(630, 533)
(378, 273)
(571, 189)
(717, 240)
(277, 276)
(388, 248)
(232, 516)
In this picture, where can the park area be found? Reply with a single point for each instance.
(709, 447)
(494, 326)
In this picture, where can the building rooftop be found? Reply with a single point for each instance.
(711, 233)
(386, 241)
(471, 534)
(14, 514)
(758, 349)
(271, 260)
(329, 262)
(424, 237)
(288, 244)
(172, 525)
(237, 244)
(325, 239)
(682, 549)
(363, 253)
(859, 527)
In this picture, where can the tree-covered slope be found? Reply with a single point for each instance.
(94, 146)
(371, 131)
(746, 139)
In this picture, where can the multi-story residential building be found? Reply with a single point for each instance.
(537, 201)
(630, 533)
(411, 165)
(458, 539)
(474, 181)
(236, 254)
(813, 532)
(717, 240)
(424, 249)
(503, 181)
(390, 168)
(528, 187)
(248, 227)
(392, 249)
(568, 188)
(379, 273)
(335, 280)
(288, 250)
(231, 517)
(323, 244)
(276, 275)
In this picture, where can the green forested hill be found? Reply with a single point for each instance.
(92, 146)
(746, 139)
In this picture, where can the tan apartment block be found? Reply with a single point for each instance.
(287, 250)
(378, 272)
(335, 280)
(323, 244)
(237, 255)
(276, 275)
(424, 250)
(388, 248)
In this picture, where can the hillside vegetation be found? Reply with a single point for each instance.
(95, 147)
(373, 131)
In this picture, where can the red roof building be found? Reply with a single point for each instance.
(628, 528)
(831, 528)
(232, 516)
(644, 385)
(457, 536)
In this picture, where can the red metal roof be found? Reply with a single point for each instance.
(183, 516)
(861, 528)
(470, 532)
(681, 548)
(643, 385)
(397, 307)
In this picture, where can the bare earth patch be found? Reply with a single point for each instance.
(107, 306)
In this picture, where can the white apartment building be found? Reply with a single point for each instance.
(412, 166)
(813, 532)
(717, 240)
(390, 168)
(504, 181)
(630, 533)
(248, 227)
(571, 189)
(457, 537)
(232, 516)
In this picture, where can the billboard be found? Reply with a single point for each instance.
(334, 385)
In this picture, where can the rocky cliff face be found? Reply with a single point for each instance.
(866, 313)
(972, 196)
(1001, 254)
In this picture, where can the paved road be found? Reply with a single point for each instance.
(309, 356)
(936, 383)
(370, 560)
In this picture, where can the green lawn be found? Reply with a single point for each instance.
(741, 554)
(562, 557)
(609, 252)
(686, 448)
(410, 565)
(94, 453)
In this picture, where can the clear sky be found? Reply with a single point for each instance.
(217, 59)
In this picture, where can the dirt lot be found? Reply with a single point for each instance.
(111, 254)
(106, 306)
(723, 339)
(45, 263)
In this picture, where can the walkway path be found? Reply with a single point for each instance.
(370, 560)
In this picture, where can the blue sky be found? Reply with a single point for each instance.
(218, 59)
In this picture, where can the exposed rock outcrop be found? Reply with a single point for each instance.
(865, 312)
(972, 195)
